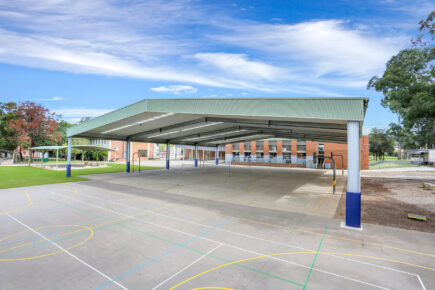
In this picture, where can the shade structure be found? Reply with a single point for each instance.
(80, 147)
(211, 122)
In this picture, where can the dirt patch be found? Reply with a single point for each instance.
(387, 202)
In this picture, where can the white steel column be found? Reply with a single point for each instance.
(68, 163)
(217, 155)
(127, 158)
(353, 194)
(196, 155)
(168, 153)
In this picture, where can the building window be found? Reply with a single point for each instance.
(247, 146)
(286, 147)
(301, 146)
(272, 146)
(259, 146)
(99, 142)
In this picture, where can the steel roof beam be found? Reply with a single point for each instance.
(279, 123)
(171, 127)
(295, 132)
(205, 134)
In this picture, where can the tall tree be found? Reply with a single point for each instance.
(35, 125)
(408, 85)
(8, 134)
(61, 129)
(396, 131)
(380, 143)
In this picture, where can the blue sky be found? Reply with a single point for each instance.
(85, 58)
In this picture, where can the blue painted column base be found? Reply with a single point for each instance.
(68, 170)
(217, 161)
(167, 164)
(127, 168)
(196, 162)
(353, 209)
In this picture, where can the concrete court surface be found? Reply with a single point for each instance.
(104, 235)
(286, 189)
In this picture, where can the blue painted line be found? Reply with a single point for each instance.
(164, 254)
(43, 242)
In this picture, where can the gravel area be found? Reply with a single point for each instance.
(387, 201)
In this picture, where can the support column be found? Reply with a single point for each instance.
(168, 154)
(127, 158)
(217, 155)
(228, 153)
(253, 151)
(294, 149)
(68, 162)
(353, 193)
(57, 157)
(241, 152)
(196, 155)
(279, 157)
(266, 151)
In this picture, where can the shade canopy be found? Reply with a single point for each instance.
(211, 122)
(80, 147)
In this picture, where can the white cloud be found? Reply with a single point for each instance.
(176, 89)
(319, 48)
(75, 114)
(239, 65)
(54, 99)
(244, 94)
(149, 40)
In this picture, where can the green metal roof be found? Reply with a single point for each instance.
(151, 118)
(80, 147)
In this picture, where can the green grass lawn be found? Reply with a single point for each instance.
(19, 176)
(391, 164)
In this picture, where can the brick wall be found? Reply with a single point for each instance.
(311, 147)
(279, 147)
(119, 145)
(242, 148)
(136, 146)
(365, 158)
(266, 148)
(294, 148)
(253, 148)
(341, 149)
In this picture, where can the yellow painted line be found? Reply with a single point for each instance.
(322, 198)
(296, 253)
(21, 207)
(68, 196)
(76, 231)
(316, 233)
(91, 234)
(212, 288)
(129, 195)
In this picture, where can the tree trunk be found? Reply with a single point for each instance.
(399, 154)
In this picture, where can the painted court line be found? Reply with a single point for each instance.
(188, 266)
(315, 258)
(21, 207)
(164, 254)
(189, 234)
(176, 230)
(65, 251)
(297, 247)
(305, 249)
